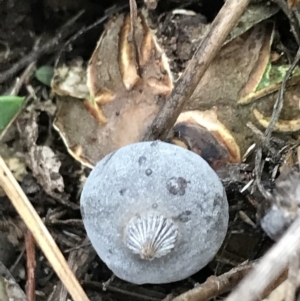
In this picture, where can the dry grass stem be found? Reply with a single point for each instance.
(40, 232)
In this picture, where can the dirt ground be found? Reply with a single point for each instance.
(28, 25)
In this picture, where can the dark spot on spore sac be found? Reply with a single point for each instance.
(184, 216)
(200, 206)
(122, 191)
(148, 172)
(208, 219)
(154, 143)
(177, 185)
(142, 160)
(217, 201)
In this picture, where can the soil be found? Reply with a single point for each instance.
(22, 23)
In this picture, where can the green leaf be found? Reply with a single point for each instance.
(274, 75)
(9, 107)
(44, 74)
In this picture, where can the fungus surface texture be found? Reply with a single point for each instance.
(154, 212)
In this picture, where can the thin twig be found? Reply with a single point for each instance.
(279, 101)
(48, 47)
(31, 265)
(129, 294)
(258, 171)
(84, 30)
(215, 286)
(269, 267)
(205, 53)
(17, 261)
(25, 76)
(293, 20)
(269, 130)
(42, 236)
(108, 282)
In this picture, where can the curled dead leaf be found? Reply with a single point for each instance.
(226, 77)
(123, 100)
(43, 162)
(15, 160)
(282, 126)
(9, 288)
(204, 134)
(202, 142)
(293, 3)
(70, 80)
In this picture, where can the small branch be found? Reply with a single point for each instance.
(24, 78)
(279, 101)
(215, 286)
(129, 294)
(258, 171)
(204, 55)
(85, 29)
(269, 130)
(31, 265)
(34, 55)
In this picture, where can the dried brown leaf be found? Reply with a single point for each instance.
(293, 3)
(43, 162)
(127, 89)
(228, 74)
(14, 229)
(15, 160)
(9, 289)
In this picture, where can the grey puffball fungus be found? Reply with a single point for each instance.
(154, 212)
